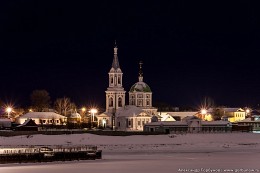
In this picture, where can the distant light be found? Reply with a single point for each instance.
(83, 109)
(247, 111)
(203, 111)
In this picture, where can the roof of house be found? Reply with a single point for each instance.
(181, 114)
(215, 122)
(227, 109)
(130, 111)
(28, 123)
(249, 120)
(167, 123)
(43, 115)
(166, 117)
(105, 114)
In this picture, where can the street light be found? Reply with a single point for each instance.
(83, 109)
(8, 110)
(93, 111)
(203, 113)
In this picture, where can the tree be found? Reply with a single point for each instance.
(218, 113)
(64, 105)
(40, 100)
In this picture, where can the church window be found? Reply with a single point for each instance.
(147, 96)
(111, 80)
(139, 102)
(115, 81)
(119, 80)
(110, 102)
(119, 102)
(139, 123)
(147, 102)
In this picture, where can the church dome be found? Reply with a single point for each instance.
(140, 87)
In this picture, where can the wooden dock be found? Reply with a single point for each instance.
(23, 154)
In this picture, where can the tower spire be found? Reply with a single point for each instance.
(140, 72)
(115, 63)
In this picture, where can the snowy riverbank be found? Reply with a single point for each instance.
(223, 152)
(150, 143)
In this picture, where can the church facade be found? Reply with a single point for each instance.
(120, 116)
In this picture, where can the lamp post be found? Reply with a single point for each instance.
(92, 111)
(8, 110)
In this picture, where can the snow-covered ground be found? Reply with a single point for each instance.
(217, 152)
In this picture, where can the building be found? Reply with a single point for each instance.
(74, 118)
(132, 118)
(28, 125)
(5, 123)
(228, 114)
(140, 94)
(43, 118)
(253, 122)
(124, 117)
(175, 115)
(115, 94)
(190, 124)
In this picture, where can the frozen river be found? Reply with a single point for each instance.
(227, 152)
(170, 162)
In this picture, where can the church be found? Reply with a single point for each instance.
(120, 116)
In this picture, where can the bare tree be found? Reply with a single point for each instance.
(64, 105)
(58, 105)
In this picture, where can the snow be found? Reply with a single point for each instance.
(43, 115)
(128, 110)
(171, 153)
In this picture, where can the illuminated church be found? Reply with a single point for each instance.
(120, 116)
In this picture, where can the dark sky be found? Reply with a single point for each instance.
(190, 49)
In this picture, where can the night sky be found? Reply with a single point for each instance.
(190, 49)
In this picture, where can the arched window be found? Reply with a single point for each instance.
(111, 79)
(119, 80)
(119, 102)
(148, 102)
(110, 102)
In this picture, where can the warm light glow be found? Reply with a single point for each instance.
(203, 111)
(8, 110)
(93, 111)
(83, 109)
(247, 111)
(30, 110)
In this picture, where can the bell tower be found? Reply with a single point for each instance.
(115, 93)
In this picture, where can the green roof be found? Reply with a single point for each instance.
(140, 87)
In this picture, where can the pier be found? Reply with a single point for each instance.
(24, 154)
